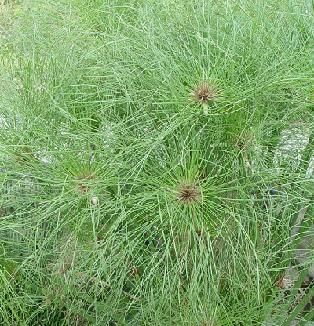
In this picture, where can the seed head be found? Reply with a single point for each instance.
(83, 182)
(188, 193)
(205, 93)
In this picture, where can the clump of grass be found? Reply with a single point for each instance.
(146, 212)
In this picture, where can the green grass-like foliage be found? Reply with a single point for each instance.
(137, 159)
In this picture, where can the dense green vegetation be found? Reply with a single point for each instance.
(140, 177)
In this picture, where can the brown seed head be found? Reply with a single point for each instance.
(83, 182)
(205, 93)
(188, 193)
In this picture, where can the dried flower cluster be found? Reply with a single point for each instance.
(188, 193)
(205, 93)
